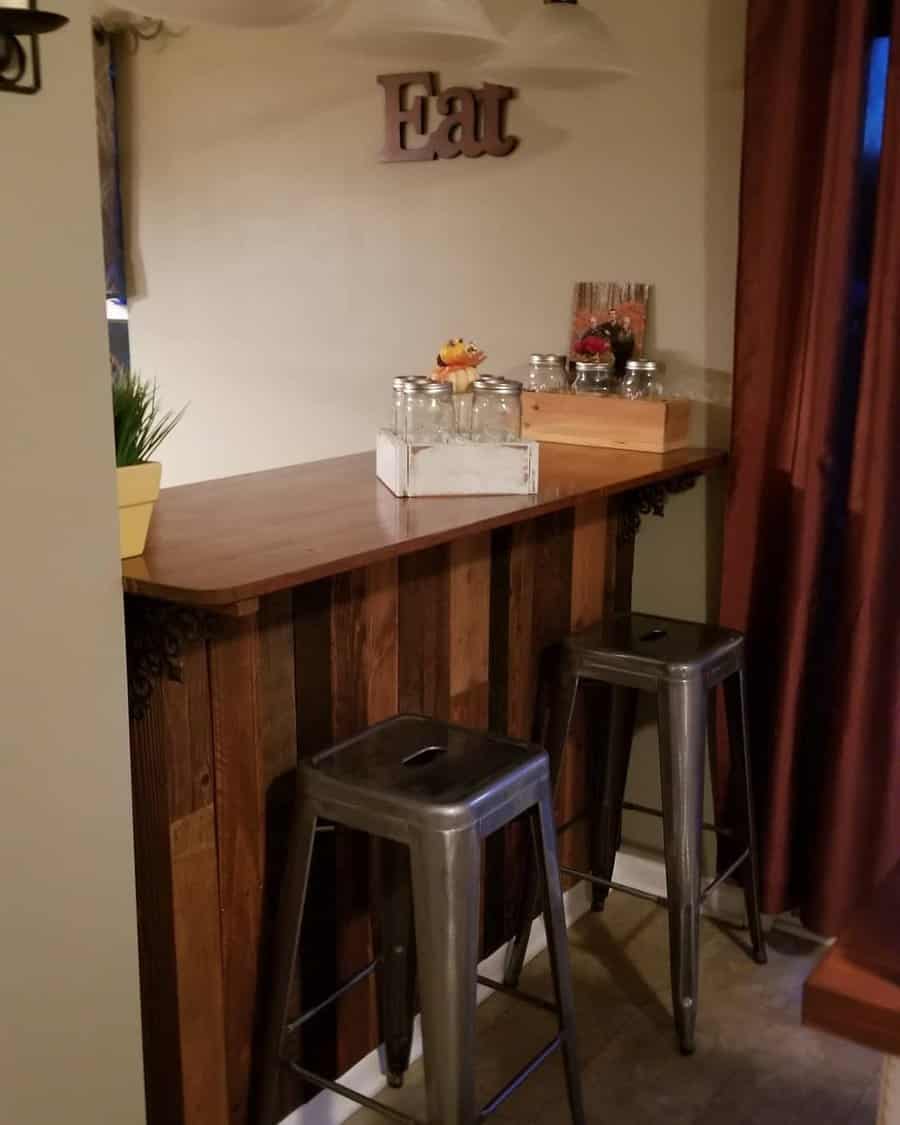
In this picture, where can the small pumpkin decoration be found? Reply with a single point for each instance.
(457, 363)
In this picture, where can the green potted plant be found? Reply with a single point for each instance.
(140, 427)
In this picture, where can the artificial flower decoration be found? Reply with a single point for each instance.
(593, 346)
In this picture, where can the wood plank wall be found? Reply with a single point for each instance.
(457, 632)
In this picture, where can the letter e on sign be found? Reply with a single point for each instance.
(399, 119)
(473, 122)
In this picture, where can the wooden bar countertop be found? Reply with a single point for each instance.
(226, 542)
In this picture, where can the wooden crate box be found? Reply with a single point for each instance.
(649, 425)
(456, 468)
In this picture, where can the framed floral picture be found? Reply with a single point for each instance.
(609, 321)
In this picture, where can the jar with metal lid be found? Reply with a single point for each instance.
(548, 372)
(497, 410)
(594, 377)
(428, 413)
(399, 415)
(641, 379)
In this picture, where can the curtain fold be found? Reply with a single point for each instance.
(859, 829)
(785, 568)
(108, 154)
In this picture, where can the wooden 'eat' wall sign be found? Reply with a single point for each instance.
(474, 121)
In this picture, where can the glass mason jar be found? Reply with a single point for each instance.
(641, 379)
(594, 377)
(399, 406)
(399, 416)
(497, 410)
(428, 413)
(547, 373)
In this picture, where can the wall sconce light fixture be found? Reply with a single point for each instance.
(20, 57)
(441, 28)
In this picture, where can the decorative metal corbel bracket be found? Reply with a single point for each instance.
(156, 636)
(650, 501)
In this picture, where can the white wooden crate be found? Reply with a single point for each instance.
(459, 468)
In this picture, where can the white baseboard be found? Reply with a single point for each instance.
(367, 1077)
(647, 872)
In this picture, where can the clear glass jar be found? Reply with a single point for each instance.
(497, 410)
(594, 378)
(428, 413)
(641, 379)
(547, 373)
(399, 415)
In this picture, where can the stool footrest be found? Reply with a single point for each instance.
(403, 1118)
(518, 994)
(345, 987)
(498, 1099)
(729, 870)
(648, 810)
(632, 806)
(660, 900)
(577, 819)
(352, 1095)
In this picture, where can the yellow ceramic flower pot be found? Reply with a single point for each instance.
(138, 487)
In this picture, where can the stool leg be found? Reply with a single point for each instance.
(446, 872)
(287, 941)
(397, 995)
(611, 774)
(682, 750)
(736, 714)
(558, 947)
(562, 709)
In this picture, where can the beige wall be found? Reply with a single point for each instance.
(282, 274)
(69, 1016)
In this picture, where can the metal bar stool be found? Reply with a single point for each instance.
(439, 790)
(682, 662)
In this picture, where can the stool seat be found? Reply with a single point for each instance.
(426, 772)
(639, 649)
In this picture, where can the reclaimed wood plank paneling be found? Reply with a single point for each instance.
(591, 575)
(364, 690)
(468, 652)
(591, 579)
(188, 726)
(346, 640)
(512, 703)
(312, 666)
(155, 920)
(353, 936)
(317, 965)
(381, 654)
(240, 829)
(195, 891)
(277, 732)
(277, 718)
(424, 633)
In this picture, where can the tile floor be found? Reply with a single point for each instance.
(755, 1062)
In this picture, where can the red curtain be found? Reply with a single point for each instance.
(811, 554)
